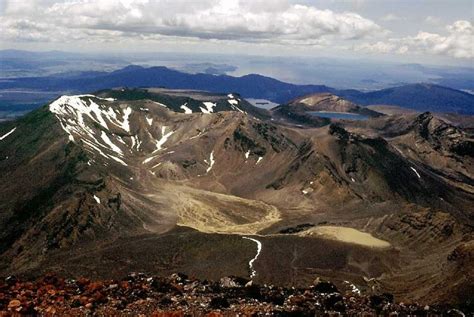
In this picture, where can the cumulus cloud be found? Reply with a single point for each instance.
(458, 42)
(276, 21)
(248, 22)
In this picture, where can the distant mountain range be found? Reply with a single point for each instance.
(422, 97)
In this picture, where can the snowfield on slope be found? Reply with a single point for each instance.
(164, 138)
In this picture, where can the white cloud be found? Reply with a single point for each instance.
(276, 21)
(248, 23)
(458, 42)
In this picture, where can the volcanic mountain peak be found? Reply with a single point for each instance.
(134, 166)
(443, 136)
(430, 125)
(322, 100)
(115, 129)
(305, 110)
(332, 103)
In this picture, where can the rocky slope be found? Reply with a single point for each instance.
(164, 181)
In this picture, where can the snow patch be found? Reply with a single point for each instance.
(93, 146)
(106, 99)
(234, 103)
(73, 106)
(118, 160)
(209, 107)
(259, 159)
(126, 123)
(247, 154)
(7, 134)
(211, 162)
(149, 159)
(416, 172)
(307, 190)
(164, 138)
(149, 120)
(71, 110)
(97, 199)
(259, 249)
(155, 166)
(160, 104)
(112, 146)
(136, 142)
(95, 108)
(186, 109)
(119, 138)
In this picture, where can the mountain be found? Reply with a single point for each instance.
(249, 86)
(302, 110)
(421, 97)
(164, 181)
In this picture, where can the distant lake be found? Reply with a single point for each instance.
(261, 103)
(338, 115)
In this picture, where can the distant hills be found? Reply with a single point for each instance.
(423, 97)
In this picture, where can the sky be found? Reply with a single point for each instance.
(428, 31)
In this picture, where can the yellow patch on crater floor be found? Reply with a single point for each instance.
(345, 234)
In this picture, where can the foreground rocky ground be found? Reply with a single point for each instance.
(179, 295)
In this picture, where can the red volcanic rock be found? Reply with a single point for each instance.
(178, 295)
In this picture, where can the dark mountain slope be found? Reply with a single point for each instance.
(421, 97)
(249, 86)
